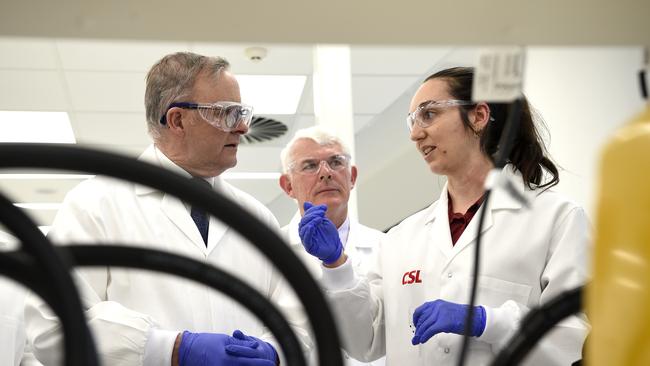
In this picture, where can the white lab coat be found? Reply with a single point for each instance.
(528, 257)
(136, 315)
(363, 245)
(12, 299)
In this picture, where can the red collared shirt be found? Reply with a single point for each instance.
(457, 221)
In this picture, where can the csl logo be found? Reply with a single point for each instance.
(411, 277)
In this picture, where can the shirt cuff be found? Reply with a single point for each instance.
(159, 347)
(339, 278)
(500, 323)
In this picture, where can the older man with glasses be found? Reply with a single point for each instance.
(318, 175)
(196, 119)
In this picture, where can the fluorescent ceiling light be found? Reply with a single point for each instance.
(39, 127)
(247, 175)
(45, 176)
(38, 205)
(272, 94)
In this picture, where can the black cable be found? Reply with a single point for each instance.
(21, 268)
(500, 159)
(159, 261)
(54, 270)
(52, 156)
(536, 324)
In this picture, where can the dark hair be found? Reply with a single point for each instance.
(528, 152)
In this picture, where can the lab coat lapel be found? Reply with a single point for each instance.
(471, 231)
(438, 225)
(178, 214)
(499, 200)
(217, 228)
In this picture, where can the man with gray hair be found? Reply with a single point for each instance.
(196, 119)
(317, 171)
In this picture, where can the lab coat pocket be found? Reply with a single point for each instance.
(494, 291)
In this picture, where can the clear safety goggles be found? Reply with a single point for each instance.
(225, 116)
(425, 114)
(313, 166)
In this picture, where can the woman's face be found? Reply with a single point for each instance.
(446, 144)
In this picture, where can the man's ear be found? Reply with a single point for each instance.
(353, 175)
(175, 121)
(285, 184)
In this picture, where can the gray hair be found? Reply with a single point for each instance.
(318, 134)
(172, 79)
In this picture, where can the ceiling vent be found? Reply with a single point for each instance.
(263, 129)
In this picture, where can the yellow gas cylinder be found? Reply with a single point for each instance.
(618, 298)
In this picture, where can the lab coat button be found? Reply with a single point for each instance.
(446, 349)
(449, 275)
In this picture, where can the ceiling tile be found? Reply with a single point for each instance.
(280, 59)
(115, 128)
(372, 94)
(368, 60)
(106, 91)
(26, 53)
(32, 90)
(98, 55)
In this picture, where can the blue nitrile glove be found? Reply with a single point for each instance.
(319, 235)
(261, 349)
(442, 316)
(208, 349)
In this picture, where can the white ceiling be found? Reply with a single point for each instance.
(89, 58)
(101, 85)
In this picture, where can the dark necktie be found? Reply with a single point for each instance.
(200, 217)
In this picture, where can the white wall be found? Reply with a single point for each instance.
(583, 94)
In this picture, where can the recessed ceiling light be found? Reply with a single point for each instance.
(38, 127)
(272, 94)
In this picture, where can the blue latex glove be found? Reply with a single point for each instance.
(442, 316)
(209, 349)
(260, 349)
(319, 235)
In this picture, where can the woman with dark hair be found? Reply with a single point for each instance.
(412, 305)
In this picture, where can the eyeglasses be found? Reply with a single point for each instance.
(312, 166)
(225, 116)
(425, 114)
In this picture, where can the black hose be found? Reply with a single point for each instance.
(51, 156)
(54, 270)
(500, 160)
(21, 268)
(536, 324)
(159, 261)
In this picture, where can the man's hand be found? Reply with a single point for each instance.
(441, 316)
(318, 234)
(260, 349)
(208, 349)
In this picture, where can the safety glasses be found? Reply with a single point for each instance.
(312, 166)
(425, 114)
(225, 116)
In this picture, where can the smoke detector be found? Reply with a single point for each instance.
(255, 54)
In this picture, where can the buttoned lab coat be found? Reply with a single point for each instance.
(363, 244)
(132, 310)
(528, 256)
